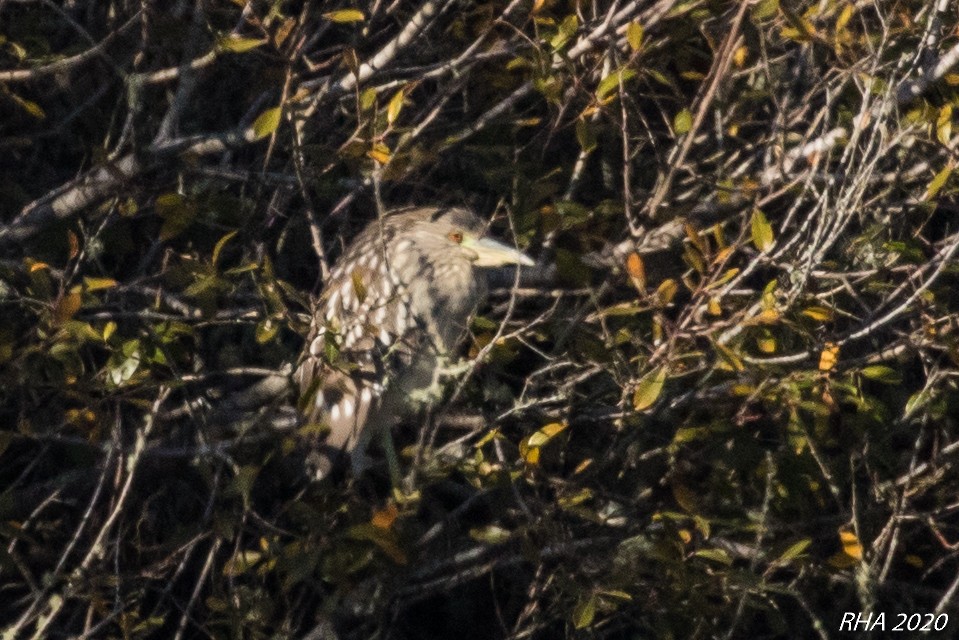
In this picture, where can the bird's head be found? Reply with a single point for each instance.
(461, 232)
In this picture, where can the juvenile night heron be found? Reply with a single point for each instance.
(396, 305)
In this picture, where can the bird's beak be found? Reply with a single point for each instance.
(491, 253)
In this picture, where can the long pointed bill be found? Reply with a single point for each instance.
(496, 254)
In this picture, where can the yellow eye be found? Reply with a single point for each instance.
(456, 236)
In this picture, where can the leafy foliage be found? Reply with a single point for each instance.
(725, 405)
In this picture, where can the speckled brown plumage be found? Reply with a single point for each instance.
(398, 300)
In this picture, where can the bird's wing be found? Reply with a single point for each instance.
(363, 329)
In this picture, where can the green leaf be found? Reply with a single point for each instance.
(939, 181)
(345, 16)
(367, 98)
(794, 551)
(918, 400)
(266, 330)
(567, 29)
(611, 83)
(649, 388)
(236, 44)
(585, 135)
(32, 108)
(584, 613)
(682, 122)
(883, 374)
(177, 213)
(241, 563)
(716, 555)
(219, 246)
(267, 122)
(490, 534)
(762, 231)
(765, 9)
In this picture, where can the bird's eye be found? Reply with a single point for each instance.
(456, 236)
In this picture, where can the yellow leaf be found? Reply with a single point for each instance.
(762, 231)
(545, 434)
(236, 44)
(583, 466)
(384, 518)
(359, 288)
(266, 123)
(531, 456)
(394, 106)
(634, 35)
(766, 343)
(37, 266)
(108, 330)
(96, 284)
(637, 271)
(713, 307)
(844, 17)
(944, 124)
(682, 122)
(66, 308)
(819, 314)
(766, 316)
(828, 357)
(667, 291)
(649, 388)
(850, 544)
(739, 57)
(345, 16)
(380, 153)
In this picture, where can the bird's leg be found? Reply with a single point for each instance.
(359, 462)
(442, 371)
(449, 369)
(392, 462)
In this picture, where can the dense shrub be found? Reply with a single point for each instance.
(724, 405)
